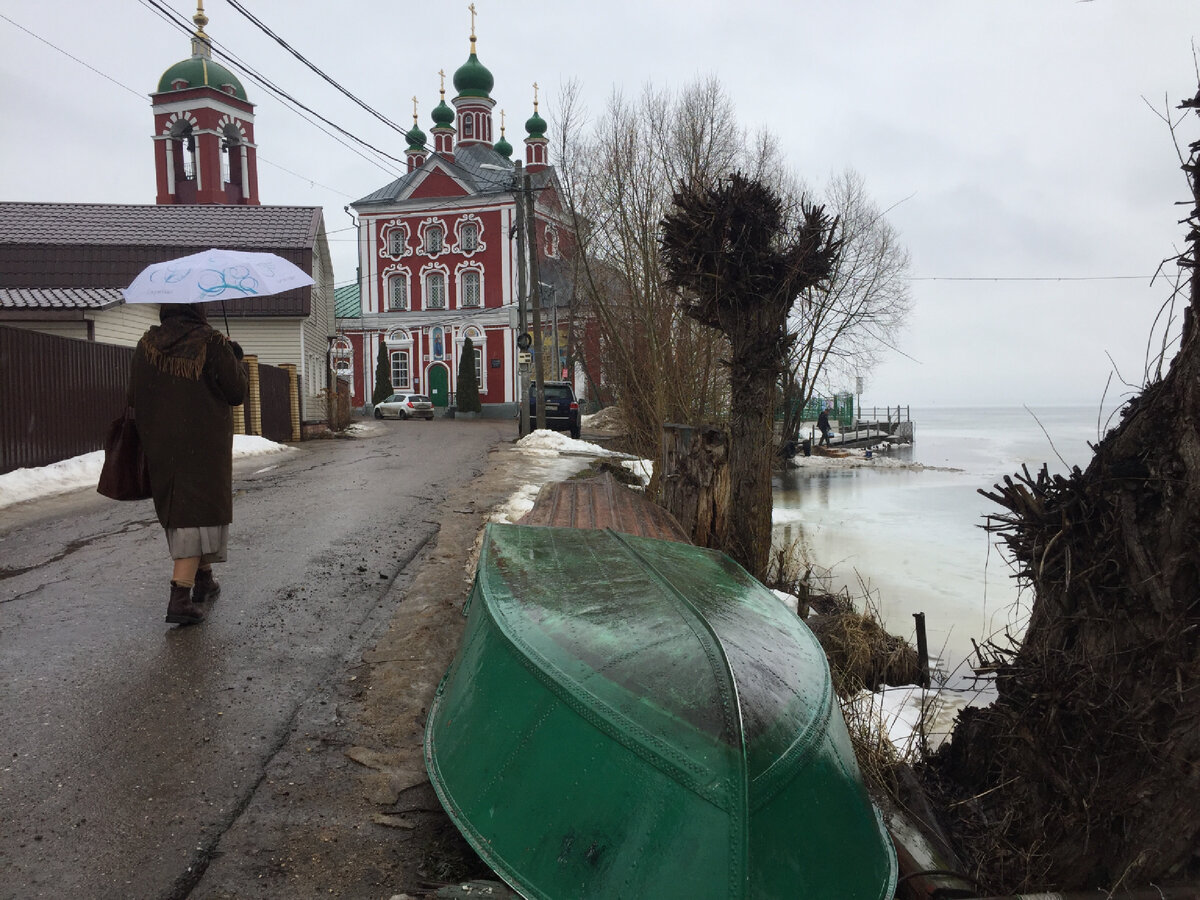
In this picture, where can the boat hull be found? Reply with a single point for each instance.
(601, 734)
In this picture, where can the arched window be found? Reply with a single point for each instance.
(185, 156)
(435, 290)
(468, 126)
(401, 373)
(468, 237)
(231, 156)
(551, 241)
(398, 292)
(397, 241)
(433, 240)
(469, 292)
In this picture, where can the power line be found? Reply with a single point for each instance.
(1029, 278)
(274, 89)
(262, 26)
(141, 96)
(69, 56)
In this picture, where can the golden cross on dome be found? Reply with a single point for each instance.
(472, 9)
(414, 109)
(535, 90)
(501, 123)
(442, 75)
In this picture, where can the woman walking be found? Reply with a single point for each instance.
(184, 380)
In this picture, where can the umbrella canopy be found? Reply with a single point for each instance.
(215, 275)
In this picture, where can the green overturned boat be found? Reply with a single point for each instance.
(639, 718)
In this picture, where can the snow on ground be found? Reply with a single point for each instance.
(896, 712)
(791, 601)
(84, 471)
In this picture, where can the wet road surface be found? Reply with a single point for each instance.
(127, 746)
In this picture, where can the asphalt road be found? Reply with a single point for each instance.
(128, 747)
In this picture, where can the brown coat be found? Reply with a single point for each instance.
(182, 406)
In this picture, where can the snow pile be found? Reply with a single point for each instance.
(519, 502)
(544, 442)
(607, 419)
(642, 468)
(84, 471)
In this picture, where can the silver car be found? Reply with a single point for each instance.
(404, 406)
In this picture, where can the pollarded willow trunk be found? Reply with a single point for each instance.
(751, 445)
(741, 264)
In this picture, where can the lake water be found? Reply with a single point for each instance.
(913, 536)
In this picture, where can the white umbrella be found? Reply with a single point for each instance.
(215, 275)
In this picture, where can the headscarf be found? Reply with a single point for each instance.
(179, 345)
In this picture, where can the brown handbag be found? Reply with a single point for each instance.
(125, 475)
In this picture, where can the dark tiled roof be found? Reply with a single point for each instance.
(467, 165)
(59, 298)
(198, 226)
(347, 302)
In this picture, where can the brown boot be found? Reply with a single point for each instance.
(181, 610)
(206, 589)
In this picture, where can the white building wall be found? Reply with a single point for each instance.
(125, 323)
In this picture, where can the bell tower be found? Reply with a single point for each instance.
(204, 149)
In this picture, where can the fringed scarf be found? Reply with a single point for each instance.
(179, 345)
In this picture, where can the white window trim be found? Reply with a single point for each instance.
(480, 246)
(385, 240)
(458, 286)
(391, 278)
(425, 273)
(424, 226)
(385, 276)
(407, 370)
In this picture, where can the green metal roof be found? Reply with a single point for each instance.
(199, 71)
(347, 301)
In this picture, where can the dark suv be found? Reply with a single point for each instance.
(562, 409)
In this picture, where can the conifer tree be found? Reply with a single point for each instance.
(383, 377)
(468, 381)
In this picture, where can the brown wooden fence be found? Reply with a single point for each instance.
(276, 403)
(57, 396)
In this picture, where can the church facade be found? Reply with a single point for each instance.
(438, 254)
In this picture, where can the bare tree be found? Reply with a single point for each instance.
(617, 175)
(844, 323)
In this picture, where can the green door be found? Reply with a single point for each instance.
(439, 386)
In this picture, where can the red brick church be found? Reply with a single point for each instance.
(438, 254)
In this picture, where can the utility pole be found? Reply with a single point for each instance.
(535, 293)
(523, 369)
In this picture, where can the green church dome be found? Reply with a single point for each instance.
(415, 137)
(200, 71)
(472, 78)
(535, 125)
(442, 115)
(503, 147)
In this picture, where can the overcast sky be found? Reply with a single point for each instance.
(1014, 136)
